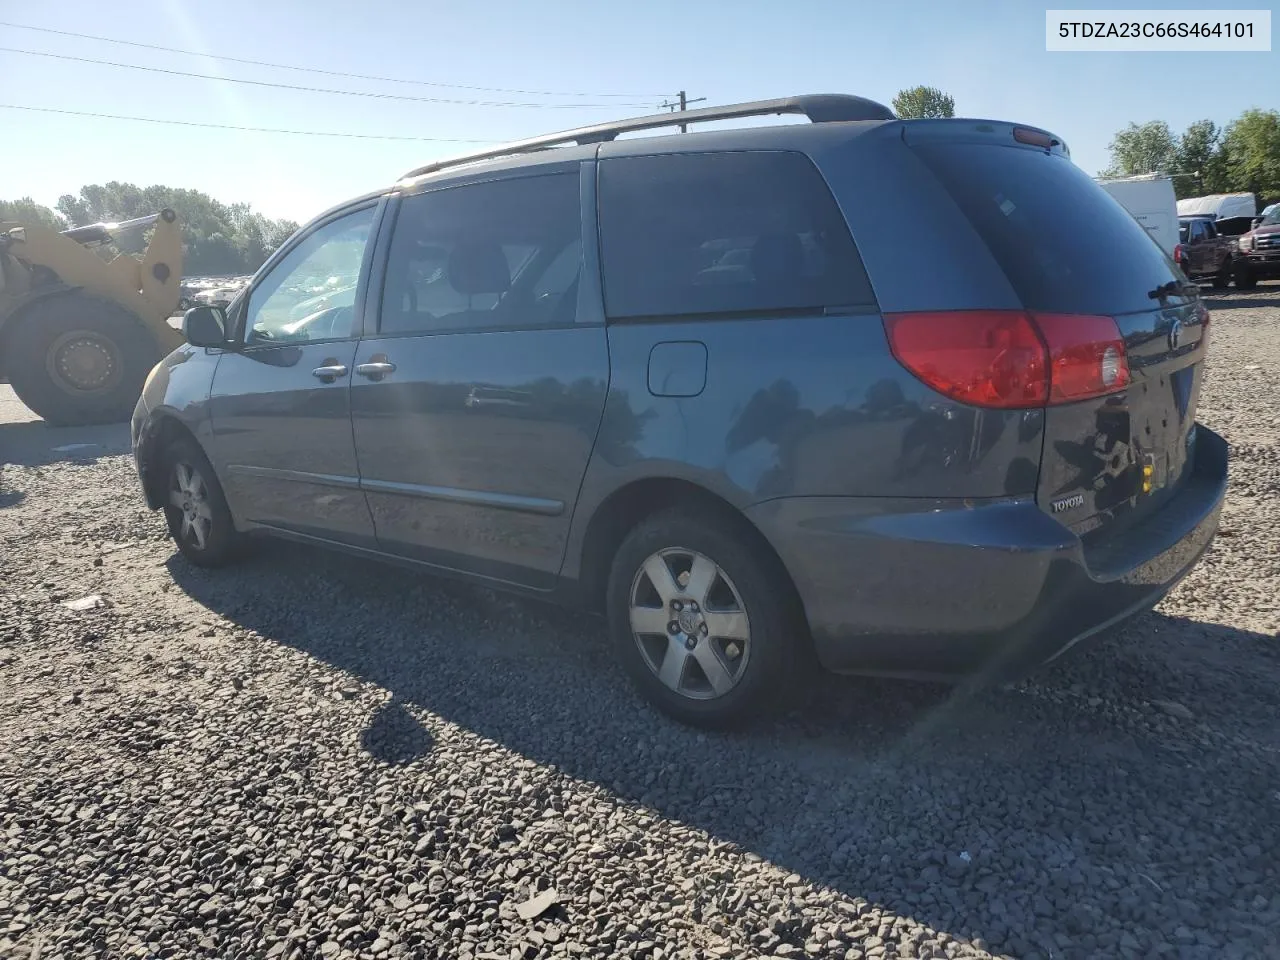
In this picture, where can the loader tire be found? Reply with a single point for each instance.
(78, 360)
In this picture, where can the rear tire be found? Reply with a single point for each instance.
(194, 506)
(77, 360)
(744, 662)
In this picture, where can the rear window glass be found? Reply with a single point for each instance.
(1064, 243)
(723, 233)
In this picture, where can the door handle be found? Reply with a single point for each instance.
(377, 367)
(330, 372)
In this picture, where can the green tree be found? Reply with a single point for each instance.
(1201, 160)
(916, 102)
(27, 210)
(1147, 148)
(1251, 145)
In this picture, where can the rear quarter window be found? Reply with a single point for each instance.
(716, 233)
(1064, 243)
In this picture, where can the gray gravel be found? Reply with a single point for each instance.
(305, 757)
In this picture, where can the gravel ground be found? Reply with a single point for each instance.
(308, 757)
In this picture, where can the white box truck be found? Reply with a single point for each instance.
(1151, 201)
(1220, 206)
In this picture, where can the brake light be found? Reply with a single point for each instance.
(1008, 359)
(1086, 356)
(1177, 254)
(1037, 138)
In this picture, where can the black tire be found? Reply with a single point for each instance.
(76, 360)
(207, 541)
(1222, 279)
(1244, 277)
(772, 656)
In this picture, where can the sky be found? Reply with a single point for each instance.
(625, 58)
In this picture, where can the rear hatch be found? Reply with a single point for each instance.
(1070, 250)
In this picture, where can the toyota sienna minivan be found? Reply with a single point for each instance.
(851, 390)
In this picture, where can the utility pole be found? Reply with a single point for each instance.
(683, 105)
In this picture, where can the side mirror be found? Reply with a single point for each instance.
(1255, 223)
(205, 327)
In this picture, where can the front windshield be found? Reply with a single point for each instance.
(1271, 217)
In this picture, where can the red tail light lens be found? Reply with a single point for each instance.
(1008, 359)
(1177, 254)
(987, 358)
(1086, 356)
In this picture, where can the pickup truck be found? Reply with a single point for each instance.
(1207, 253)
(1259, 256)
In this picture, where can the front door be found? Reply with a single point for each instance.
(476, 402)
(1199, 250)
(281, 402)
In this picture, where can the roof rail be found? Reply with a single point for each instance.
(818, 107)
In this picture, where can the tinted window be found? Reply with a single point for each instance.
(723, 233)
(310, 294)
(504, 254)
(1062, 241)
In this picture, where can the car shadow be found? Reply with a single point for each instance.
(1259, 297)
(1037, 778)
(32, 443)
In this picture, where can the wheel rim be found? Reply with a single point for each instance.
(189, 495)
(84, 362)
(690, 624)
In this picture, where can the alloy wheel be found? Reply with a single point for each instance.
(189, 494)
(690, 623)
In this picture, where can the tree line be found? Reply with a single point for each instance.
(1243, 157)
(218, 238)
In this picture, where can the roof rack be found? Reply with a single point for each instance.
(818, 107)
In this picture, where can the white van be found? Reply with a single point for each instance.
(1151, 201)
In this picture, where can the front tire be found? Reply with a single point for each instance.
(1245, 277)
(1222, 279)
(703, 619)
(194, 506)
(78, 360)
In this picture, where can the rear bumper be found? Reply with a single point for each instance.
(945, 590)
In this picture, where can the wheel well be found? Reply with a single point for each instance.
(628, 506)
(166, 430)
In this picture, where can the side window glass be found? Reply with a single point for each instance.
(499, 255)
(310, 294)
(723, 233)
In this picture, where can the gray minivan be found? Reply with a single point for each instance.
(850, 390)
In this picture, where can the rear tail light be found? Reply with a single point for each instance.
(1086, 356)
(1008, 359)
(1177, 254)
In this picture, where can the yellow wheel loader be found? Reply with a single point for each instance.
(79, 333)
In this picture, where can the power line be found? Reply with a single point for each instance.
(329, 90)
(226, 126)
(330, 73)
